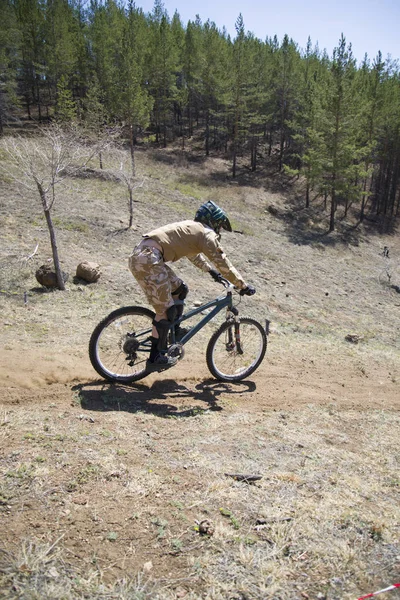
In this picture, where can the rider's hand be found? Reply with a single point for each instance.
(249, 290)
(215, 275)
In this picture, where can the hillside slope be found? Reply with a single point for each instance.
(119, 476)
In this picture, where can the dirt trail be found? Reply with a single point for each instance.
(286, 380)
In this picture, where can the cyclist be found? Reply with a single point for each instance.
(198, 240)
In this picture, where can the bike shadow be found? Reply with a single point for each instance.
(156, 398)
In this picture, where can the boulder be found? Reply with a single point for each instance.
(88, 271)
(46, 276)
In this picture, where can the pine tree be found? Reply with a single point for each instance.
(134, 101)
(9, 62)
(190, 70)
(162, 70)
(239, 75)
(61, 58)
(309, 149)
(257, 96)
(386, 188)
(65, 106)
(105, 32)
(94, 112)
(214, 84)
(284, 101)
(31, 22)
(340, 132)
(181, 95)
(370, 86)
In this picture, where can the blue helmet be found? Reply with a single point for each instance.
(212, 215)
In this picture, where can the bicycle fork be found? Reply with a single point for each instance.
(234, 336)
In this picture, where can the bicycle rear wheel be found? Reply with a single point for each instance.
(120, 344)
(231, 360)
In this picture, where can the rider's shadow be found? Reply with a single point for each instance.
(156, 398)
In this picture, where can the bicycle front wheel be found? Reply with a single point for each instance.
(233, 358)
(120, 344)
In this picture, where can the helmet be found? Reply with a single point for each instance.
(212, 215)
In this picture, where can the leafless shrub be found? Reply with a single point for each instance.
(40, 164)
(121, 170)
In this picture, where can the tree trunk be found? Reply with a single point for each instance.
(308, 194)
(207, 138)
(130, 207)
(132, 146)
(190, 118)
(363, 201)
(53, 241)
(333, 209)
(281, 149)
(253, 153)
(235, 139)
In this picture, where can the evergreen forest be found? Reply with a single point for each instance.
(324, 120)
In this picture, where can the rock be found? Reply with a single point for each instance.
(53, 573)
(88, 271)
(206, 527)
(353, 338)
(273, 210)
(46, 276)
(80, 499)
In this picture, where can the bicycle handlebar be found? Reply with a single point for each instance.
(227, 284)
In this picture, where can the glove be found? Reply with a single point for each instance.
(248, 291)
(215, 275)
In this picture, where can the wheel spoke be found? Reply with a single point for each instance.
(229, 361)
(120, 345)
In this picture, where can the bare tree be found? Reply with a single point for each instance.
(41, 163)
(122, 169)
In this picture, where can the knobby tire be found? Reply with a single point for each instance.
(108, 340)
(224, 360)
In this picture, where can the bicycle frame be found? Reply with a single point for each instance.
(219, 303)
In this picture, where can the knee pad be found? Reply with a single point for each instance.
(182, 291)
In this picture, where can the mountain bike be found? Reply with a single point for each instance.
(120, 344)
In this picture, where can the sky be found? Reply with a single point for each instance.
(369, 25)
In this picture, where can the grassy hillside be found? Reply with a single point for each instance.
(104, 487)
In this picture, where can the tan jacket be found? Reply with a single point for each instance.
(195, 241)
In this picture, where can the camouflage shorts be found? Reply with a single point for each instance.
(157, 279)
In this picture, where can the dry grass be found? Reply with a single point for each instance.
(104, 487)
(324, 518)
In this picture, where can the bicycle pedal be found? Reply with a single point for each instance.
(176, 351)
(158, 367)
